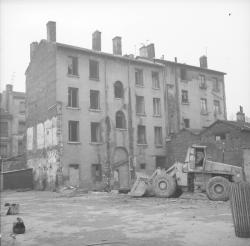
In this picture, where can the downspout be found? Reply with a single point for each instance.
(108, 129)
(177, 94)
(224, 100)
(130, 130)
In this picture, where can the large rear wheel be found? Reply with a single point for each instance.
(217, 189)
(164, 185)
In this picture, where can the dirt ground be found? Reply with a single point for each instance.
(64, 219)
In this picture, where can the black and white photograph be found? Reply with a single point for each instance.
(125, 122)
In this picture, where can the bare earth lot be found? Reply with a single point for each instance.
(116, 219)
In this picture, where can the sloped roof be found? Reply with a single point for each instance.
(243, 126)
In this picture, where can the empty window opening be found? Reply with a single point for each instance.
(73, 131)
(120, 120)
(139, 77)
(93, 69)
(216, 85)
(21, 127)
(217, 109)
(73, 65)
(95, 132)
(186, 123)
(4, 129)
(72, 97)
(220, 136)
(94, 99)
(183, 74)
(3, 150)
(202, 82)
(155, 80)
(156, 106)
(96, 172)
(142, 166)
(141, 134)
(20, 147)
(140, 106)
(118, 89)
(203, 105)
(158, 135)
(22, 107)
(184, 96)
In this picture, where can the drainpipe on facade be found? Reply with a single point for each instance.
(130, 130)
(108, 130)
(177, 95)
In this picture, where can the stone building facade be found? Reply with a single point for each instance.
(12, 123)
(94, 118)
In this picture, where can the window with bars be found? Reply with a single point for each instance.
(94, 99)
(139, 77)
(156, 106)
(141, 134)
(73, 131)
(158, 135)
(73, 65)
(93, 69)
(155, 80)
(73, 97)
(96, 132)
(140, 105)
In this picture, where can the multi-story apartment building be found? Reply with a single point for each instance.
(12, 123)
(95, 118)
(195, 95)
(92, 117)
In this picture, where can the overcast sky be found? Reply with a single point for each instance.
(182, 29)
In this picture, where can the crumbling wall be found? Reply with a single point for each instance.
(45, 154)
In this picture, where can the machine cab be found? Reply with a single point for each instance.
(196, 158)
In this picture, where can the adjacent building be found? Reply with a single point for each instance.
(226, 141)
(12, 123)
(94, 118)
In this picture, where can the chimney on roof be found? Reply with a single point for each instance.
(203, 61)
(117, 45)
(240, 115)
(143, 51)
(9, 87)
(51, 31)
(33, 47)
(148, 51)
(151, 51)
(96, 41)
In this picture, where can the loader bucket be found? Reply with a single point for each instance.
(140, 186)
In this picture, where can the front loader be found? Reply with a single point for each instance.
(196, 174)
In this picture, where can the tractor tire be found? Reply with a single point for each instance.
(164, 185)
(217, 189)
